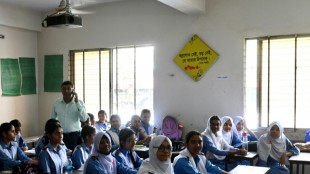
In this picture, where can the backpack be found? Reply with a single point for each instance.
(170, 128)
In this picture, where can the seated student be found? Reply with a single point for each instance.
(85, 123)
(159, 161)
(43, 142)
(125, 154)
(191, 161)
(145, 121)
(114, 131)
(228, 135)
(18, 137)
(10, 154)
(53, 158)
(101, 161)
(84, 147)
(214, 145)
(274, 148)
(139, 132)
(91, 119)
(101, 124)
(240, 127)
(304, 147)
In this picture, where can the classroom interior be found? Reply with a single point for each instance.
(223, 25)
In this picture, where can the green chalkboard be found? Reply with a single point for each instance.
(53, 73)
(10, 77)
(27, 67)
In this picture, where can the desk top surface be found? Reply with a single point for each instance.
(31, 139)
(249, 155)
(240, 169)
(302, 157)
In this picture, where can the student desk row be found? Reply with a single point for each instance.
(250, 156)
(32, 140)
(303, 158)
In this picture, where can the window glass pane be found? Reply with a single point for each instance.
(264, 84)
(125, 78)
(282, 83)
(144, 79)
(92, 96)
(115, 83)
(78, 74)
(105, 81)
(303, 83)
(250, 103)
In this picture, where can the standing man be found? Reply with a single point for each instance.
(69, 110)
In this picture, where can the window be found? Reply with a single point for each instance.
(118, 80)
(277, 80)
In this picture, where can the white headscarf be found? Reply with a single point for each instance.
(236, 120)
(152, 164)
(107, 161)
(217, 140)
(228, 136)
(268, 145)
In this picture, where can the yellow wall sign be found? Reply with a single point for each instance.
(195, 58)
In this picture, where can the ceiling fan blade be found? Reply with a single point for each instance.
(82, 12)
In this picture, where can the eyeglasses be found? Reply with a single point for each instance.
(163, 148)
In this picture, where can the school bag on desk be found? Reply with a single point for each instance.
(171, 129)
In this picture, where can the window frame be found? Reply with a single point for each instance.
(259, 76)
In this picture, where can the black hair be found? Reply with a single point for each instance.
(91, 116)
(102, 112)
(86, 131)
(16, 123)
(135, 116)
(115, 116)
(190, 134)
(50, 121)
(65, 83)
(49, 129)
(144, 111)
(4, 128)
(215, 117)
(124, 134)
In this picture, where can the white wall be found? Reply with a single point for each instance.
(223, 28)
(19, 43)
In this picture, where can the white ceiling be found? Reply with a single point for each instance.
(49, 5)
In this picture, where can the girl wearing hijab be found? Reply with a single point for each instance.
(227, 132)
(125, 154)
(101, 161)
(11, 155)
(274, 148)
(241, 127)
(190, 161)
(214, 145)
(53, 156)
(114, 131)
(159, 161)
(84, 147)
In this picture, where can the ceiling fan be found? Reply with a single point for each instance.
(64, 17)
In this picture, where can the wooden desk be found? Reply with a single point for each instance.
(250, 156)
(303, 158)
(32, 140)
(143, 152)
(249, 169)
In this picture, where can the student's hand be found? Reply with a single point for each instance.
(148, 138)
(282, 159)
(242, 151)
(35, 162)
(24, 148)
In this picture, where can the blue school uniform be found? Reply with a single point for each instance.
(274, 165)
(236, 142)
(147, 128)
(113, 148)
(11, 156)
(80, 155)
(40, 145)
(94, 167)
(52, 161)
(101, 127)
(137, 133)
(183, 165)
(20, 141)
(123, 157)
(209, 146)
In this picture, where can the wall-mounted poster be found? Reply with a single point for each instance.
(10, 77)
(195, 58)
(53, 73)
